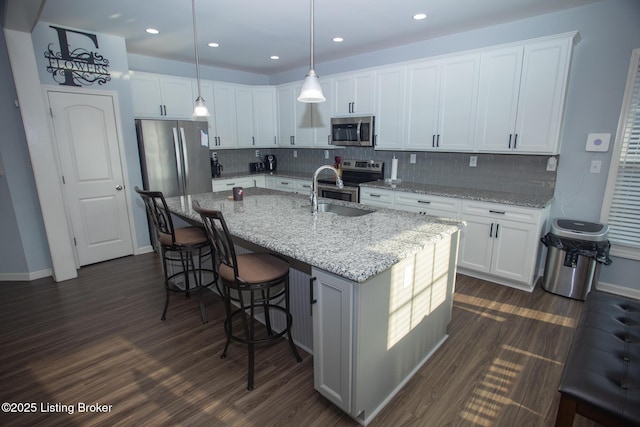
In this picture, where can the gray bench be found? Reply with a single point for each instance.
(601, 375)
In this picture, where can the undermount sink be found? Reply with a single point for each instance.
(342, 210)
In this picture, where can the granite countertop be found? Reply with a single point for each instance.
(281, 174)
(356, 248)
(490, 196)
(506, 198)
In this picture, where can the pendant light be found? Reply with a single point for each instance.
(200, 109)
(311, 90)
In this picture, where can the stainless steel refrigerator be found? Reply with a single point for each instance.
(174, 156)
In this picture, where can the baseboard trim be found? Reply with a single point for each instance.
(619, 290)
(500, 281)
(144, 250)
(25, 277)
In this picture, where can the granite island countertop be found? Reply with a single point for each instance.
(356, 248)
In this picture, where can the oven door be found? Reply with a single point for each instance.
(348, 194)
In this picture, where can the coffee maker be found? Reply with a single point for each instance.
(216, 167)
(270, 163)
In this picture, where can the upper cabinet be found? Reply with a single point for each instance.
(389, 117)
(303, 125)
(521, 98)
(353, 94)
(161, 96)
(441, 103)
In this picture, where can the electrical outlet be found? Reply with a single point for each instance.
(595, 166)
(257, 153)
(552, 164)
(295, 153)
(326, 154)
(214, 155)
(412, 158)
(473, 161)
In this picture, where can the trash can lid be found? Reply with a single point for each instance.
(582, 230)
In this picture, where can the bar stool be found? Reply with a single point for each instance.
(179, 245)
(255, 284)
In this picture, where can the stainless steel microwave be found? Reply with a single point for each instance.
(352, 131)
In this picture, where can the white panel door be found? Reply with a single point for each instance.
(87, 141)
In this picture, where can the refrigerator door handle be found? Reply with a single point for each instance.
(179, 162)
(185, 158)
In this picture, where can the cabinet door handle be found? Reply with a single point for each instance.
(161, 109)
(491, 231)
(284, 183)
(312, 300)
(497, 228)
(329, 139)
(374, 195)
(438, 141)
(426, 202)
(433, 141)
(515, 141)
(496, 212)
(510, 136)
(275, 140)
(253, 140)
(292, 140)
(231, 184)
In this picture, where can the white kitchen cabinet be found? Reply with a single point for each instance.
(161, 96)
(427, 204)
(256, 116)
(223, 184)
(225, 116)
(521, 97)
(303, 125)
(333, 329)
(353, 94)
(244, 116)
(389, 116)
(303, 186)
(376, 197)
(260, 181)
(285, 184)
(501, 243)
(265, 112)
(441, 103)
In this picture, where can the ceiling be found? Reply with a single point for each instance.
(250, 31)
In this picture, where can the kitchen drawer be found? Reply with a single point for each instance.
(513, 213)
(228, 184)
(375, 197)
(428, 203)
(302, 186)
(285, 184)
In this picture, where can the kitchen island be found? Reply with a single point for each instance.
(372, 295)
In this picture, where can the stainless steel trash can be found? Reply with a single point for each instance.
(576, 249)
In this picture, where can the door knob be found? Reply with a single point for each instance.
(119, 187)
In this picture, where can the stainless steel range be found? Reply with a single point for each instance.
(354, 172)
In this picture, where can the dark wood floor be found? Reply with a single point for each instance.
(99, 339)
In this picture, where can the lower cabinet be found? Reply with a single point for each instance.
(333, 328)
(501, 243)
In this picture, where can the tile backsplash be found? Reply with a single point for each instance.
(494, 172)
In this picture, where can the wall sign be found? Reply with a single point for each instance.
(76, 66)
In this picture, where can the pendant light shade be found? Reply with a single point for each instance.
(311, 90)
(200, 109)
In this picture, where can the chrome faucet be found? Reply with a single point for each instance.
(314, 186)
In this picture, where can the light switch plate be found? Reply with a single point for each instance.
(295, 153)
(596, 165)
(598, 141)
(473, 161)
(412, 158)
(326, 154)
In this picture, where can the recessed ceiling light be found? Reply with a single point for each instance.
(420, 16)
(152, 31)
(213, 44)
(338, 39)
(274, 57)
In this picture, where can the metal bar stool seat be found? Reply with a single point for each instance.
(180, 248)
(255, 286)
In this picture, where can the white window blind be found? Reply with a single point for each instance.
(621, 210)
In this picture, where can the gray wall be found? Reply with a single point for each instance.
(24, 248)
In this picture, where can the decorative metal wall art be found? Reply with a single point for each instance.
(76, 66)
